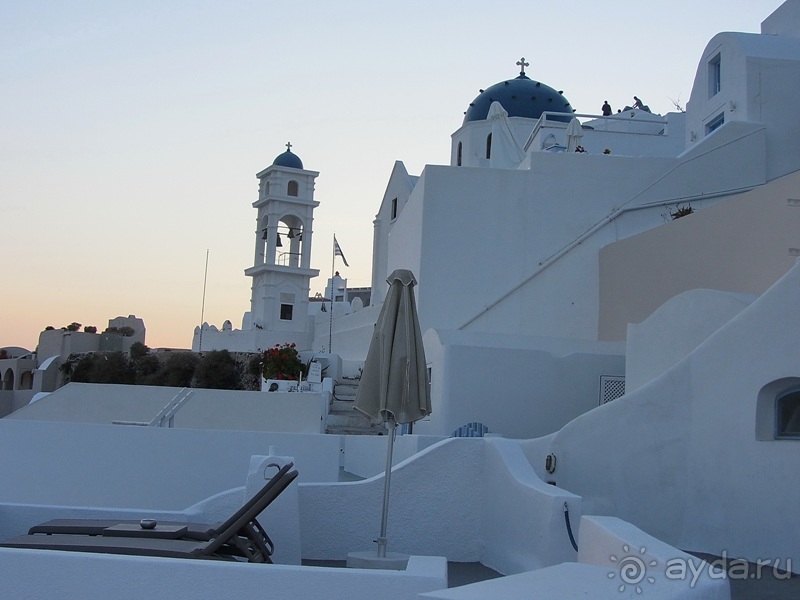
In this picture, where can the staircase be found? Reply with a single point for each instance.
(343, 419)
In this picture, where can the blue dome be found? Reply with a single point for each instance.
(288, 159)
(520, 97)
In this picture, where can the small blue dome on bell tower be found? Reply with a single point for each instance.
(288, 159)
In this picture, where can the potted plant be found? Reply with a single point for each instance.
(283, 362)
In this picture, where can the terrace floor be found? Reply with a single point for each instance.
(458, 574)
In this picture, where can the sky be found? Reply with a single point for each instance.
(131, 132)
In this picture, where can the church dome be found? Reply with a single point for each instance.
(288, 159)
(520, 97)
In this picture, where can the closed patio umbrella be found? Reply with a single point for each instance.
(394, 383)
(574, 135)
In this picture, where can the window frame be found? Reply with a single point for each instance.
(715, 75)
(715, 123)
(285, 306)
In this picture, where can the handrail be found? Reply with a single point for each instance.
(614, 214)
(558, 118)
(167, 414)
(284, 258)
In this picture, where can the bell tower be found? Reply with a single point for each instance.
(281, 271)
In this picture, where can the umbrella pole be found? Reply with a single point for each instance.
(385, 516)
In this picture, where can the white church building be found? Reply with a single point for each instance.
(527, 332)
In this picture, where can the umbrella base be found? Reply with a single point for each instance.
(369, 559)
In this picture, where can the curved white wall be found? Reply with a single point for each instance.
(674, 330)
(680, 457)
(444, 501)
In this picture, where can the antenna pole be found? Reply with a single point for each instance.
(203, 307)
(330, 320)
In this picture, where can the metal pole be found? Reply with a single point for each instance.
(203, 308)
(330, 318)
(385, 516)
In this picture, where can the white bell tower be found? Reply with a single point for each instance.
(281, 268)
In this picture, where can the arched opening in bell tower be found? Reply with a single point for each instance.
(289, 243)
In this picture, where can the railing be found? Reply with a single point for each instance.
(288, 259)
(556, 119)
(167, 414)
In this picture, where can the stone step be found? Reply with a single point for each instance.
(345, 391)
(341, 406)
(354, 431)
(351, 419)
(344, 420)
(369, 430)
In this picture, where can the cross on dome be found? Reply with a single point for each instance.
(522, 64)
(289, 144)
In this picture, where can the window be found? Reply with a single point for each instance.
(26, 381)
(715, 123)
(489, 146)
(714, 79)
(286, 312)
(8, 380)
(778, 410)
(292, 188)
(394, 208)
(287, 306)
(787, 414)
(458, 154)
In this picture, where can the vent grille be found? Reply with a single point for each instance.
(611, 388)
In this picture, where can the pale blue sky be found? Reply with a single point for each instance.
(130, 133)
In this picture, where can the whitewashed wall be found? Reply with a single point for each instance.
(680, 458)
(674, 330)
(78, 576)
(519, 387)
(740, 244)
(76, 464)
(365, 455)
(466, 499)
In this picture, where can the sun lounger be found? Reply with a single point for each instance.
(240, 536)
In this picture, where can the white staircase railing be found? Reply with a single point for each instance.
(167, 414)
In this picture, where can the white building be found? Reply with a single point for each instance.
(24, 374)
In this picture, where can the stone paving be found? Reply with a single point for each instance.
(754, 583)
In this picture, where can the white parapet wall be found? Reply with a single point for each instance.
(66, 469)
(616, 560)
(207, 409)
(444, 501)
(77, 576)
(365, 455)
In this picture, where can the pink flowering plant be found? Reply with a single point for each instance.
(283, 362)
